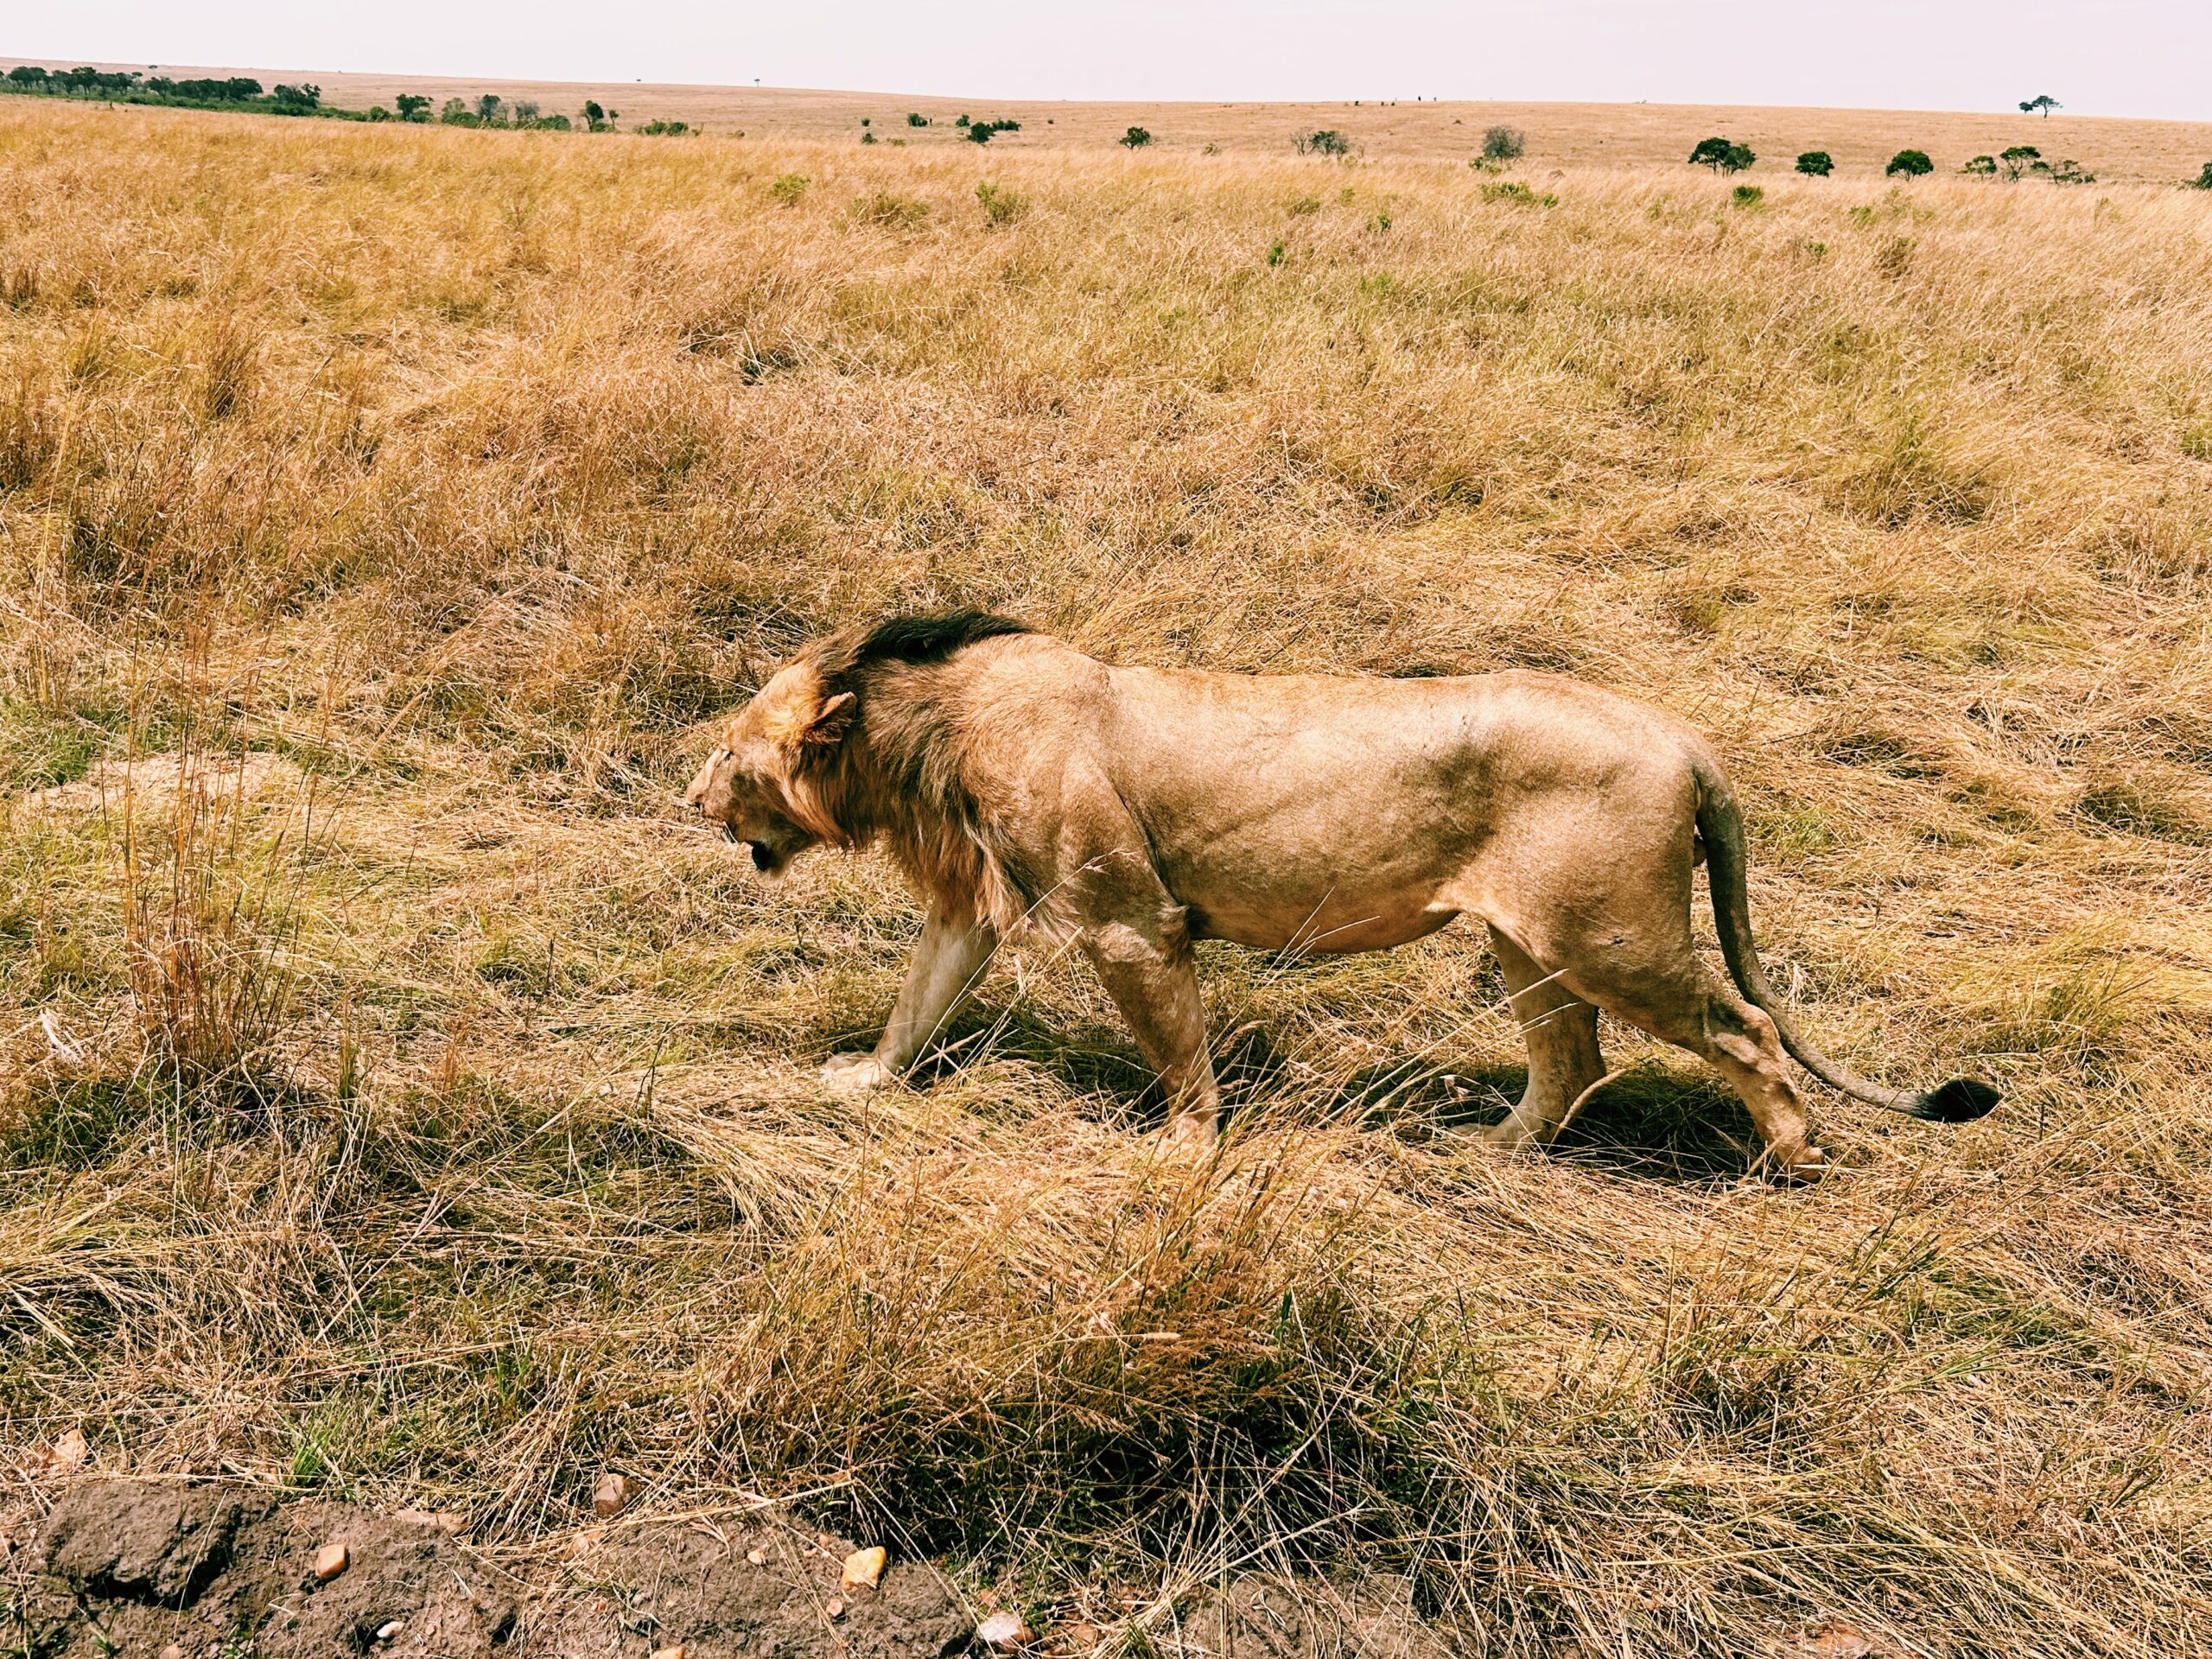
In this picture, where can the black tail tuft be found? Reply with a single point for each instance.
(1960, 1100)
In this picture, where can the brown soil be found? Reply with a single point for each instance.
(142, 1568)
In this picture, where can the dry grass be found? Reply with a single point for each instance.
(469, 473)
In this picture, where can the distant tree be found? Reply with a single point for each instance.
(1981, 165)
(413, 106)
(2070, 171)
(1912, 162)
(2018, 159)
(525, 112)
(1815, 164)
(594, 117)
(2204, 178)
(298, 97)
(1327, 142)
(454, 113)
(1135, 138)
(914, 118)
(982, 132)
(867, 121)
(1503, 143)
(2042, 103)
(962, 122)
(1721, 156)
(487, 108)
(26, 74)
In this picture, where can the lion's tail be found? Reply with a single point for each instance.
(1721, 827)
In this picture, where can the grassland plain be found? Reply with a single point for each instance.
(400, 1104)
(1861, 142)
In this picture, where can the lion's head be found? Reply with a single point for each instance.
(754, 785)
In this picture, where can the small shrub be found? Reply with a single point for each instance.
(1001, 206)
(1816, 164)
(1912, 163)
(915, 118)
(1378, 224)
(1521, 195)
(2019, 159)
(1326, 141)
(2203, 178)
(2070, 171)
(980, 132)
(1981, 167)
(413, 106)
(1135, 138)
(1503, 143)
(1748, 195)
(892, 211)
(789, 187)
(665, 129)
(1274, 254)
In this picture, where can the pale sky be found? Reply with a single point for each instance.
(2098, 57)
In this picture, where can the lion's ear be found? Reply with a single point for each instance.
(830, 719)
(806, 716)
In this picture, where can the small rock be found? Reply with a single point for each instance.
(1004, 1630)
(389, 1629)
(834, 1608)
(757, 1557)
(448, 1524)
(172, 1651)
(330, 1561)
(863, 1568)
(611, 1496)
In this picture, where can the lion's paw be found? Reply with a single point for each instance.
(854, 1074)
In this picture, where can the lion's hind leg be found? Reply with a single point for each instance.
(1562, 1030)
(1686, 1008)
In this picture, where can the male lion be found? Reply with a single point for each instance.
(1021, 784)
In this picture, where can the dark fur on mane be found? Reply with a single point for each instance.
(914, 641)
(897, 773)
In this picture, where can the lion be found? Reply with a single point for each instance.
(1025, 787)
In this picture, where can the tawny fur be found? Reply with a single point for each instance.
(1022, 785)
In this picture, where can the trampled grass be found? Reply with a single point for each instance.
(386, 510)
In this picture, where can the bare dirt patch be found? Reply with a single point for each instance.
(132, 1567)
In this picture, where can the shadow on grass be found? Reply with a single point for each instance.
(1654, 1122)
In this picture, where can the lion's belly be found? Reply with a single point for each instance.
(1331, 930)
(1316, 892)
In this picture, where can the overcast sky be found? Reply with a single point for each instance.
(2098, 57)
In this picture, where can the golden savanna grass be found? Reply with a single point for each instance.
(399, 1100)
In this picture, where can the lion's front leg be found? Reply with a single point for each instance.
(1133, 932)
(948, 965)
